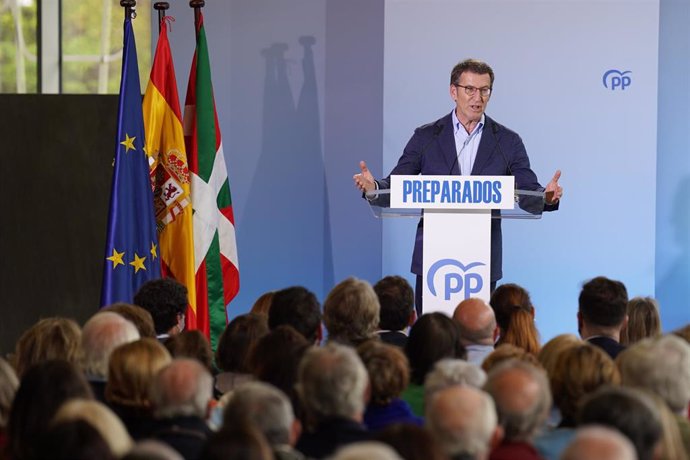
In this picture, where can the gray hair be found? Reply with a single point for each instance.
(101, 334)
(182, 388)
(368, 450)
(463, 420)
(263, 405)
(150, 449)
(661, 366)
(519, 422)
(332, 381)
(351, 312)
(449, 372)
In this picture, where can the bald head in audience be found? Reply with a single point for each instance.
(463, 421)
(183, 388)
(478, 330)
(101, 334)
(599, 443)
(522, 397)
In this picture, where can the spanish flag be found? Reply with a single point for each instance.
(169, 172)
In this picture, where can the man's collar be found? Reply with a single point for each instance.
(457, 124)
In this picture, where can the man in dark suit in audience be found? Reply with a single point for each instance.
(269, 409)
(181, 394)
(332, 384)
(167, 301)
(396, 298)
(298, 307)
(602, 313)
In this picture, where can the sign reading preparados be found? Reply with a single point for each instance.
(453, 192)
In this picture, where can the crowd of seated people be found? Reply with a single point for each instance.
(360, 377)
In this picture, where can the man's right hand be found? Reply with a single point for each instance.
(364, 180)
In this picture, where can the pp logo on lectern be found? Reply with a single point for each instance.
(615, 79)
(455, 278)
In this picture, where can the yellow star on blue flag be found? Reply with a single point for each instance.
(128, 143)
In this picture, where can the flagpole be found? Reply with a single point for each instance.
(129, 6)
(161, 7)
(197, 5)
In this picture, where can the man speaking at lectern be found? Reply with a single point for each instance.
(466, 141)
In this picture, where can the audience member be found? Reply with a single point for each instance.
(72, 440)
(506, 352)
(397, 313)
(263, 304)
(100, 417)
(50, 338)
(662, 367)
(671, 444)
(548, 358)
(368, 450)
(627, 410)
(269, 410)
(599, 443)
(166, 300)
(131, 371)
(235, 346)
(601, 315)
(182, 393)
(244, 442)
(43, 388)
(463, 421)
(643, 320)
(101, 334)
(389, 374)
(150, 449)
(275, 360)
(351, 312)
(432, 338)
(297, 307)
(550, 353)
(515, 317)
(449, 372)
(411, 442)
(683, 333)
(521, 393)
(478, 328)
(332, 384)
(139, 316)
(581, 370)
(191, 344)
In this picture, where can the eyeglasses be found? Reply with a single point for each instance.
(471, 90)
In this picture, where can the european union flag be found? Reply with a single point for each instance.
(132, 240)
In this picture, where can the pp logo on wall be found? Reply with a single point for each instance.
(617, 80)
(454, 278)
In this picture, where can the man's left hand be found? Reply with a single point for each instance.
(553, 191)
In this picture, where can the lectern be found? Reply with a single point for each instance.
(457, 213)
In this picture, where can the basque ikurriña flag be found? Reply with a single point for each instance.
(131, 243)
(215, 249)
(165, 145)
